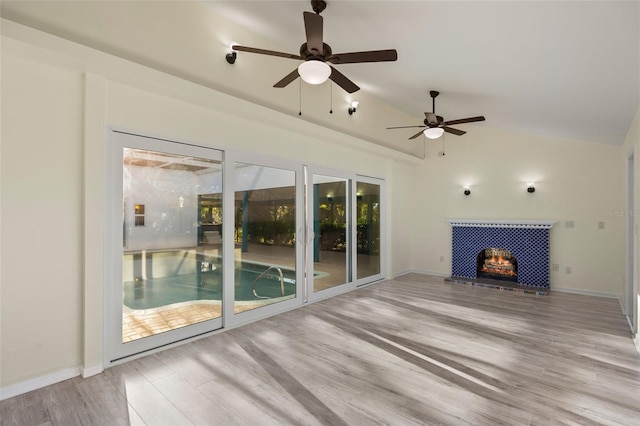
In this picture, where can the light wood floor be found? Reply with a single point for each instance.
(413, 350)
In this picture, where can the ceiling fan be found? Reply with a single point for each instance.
(435, 124)
(315, 54)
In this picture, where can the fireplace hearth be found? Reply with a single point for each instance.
(503, 254)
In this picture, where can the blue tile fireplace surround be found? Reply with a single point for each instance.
(527, 241)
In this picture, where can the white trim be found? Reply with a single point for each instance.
(401, 273)
(586, 292)
(628, 320)
(624, 311)
(636, 341)
(535, 224)
(91, 371)
(433, 273)
(38, 382)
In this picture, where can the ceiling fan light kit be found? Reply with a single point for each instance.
(314, 72)
(433, 132)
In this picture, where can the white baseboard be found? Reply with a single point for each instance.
(91, 371)
(636, 341)
(586, 292)
(434, 273)
(422, 272)
(624, 310)
(37, 383)
(401, 273)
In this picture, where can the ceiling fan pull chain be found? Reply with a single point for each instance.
(330, 97)
(300, 97)
(443, 144)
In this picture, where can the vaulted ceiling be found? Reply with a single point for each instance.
(565, 69)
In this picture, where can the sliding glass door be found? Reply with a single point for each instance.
(268, 215)
(329, 219)
(201, 239)
(167, 248)
(369, 236)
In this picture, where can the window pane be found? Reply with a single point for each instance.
(368, 219)
(265, 236)
(331, 242)
(171, 277)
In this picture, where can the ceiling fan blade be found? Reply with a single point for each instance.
(342, 81)
(417, 134)
(404, 127)
(288, 79)
(432, 119)
(265, 52)
(454, 131)
(464, 120)
(313, 27)
(368, 56)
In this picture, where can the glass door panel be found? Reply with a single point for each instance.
(171, 278)
(165, 273)
(330, 249)
(368, 229)
(264, 236)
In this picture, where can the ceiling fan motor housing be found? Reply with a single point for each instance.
(318, 5)
(308, 54)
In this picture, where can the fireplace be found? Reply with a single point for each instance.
(513, 253)
(498, 264)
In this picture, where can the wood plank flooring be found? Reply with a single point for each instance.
(413, 350)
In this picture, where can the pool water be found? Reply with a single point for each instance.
(207, 285)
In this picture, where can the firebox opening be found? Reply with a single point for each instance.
(497, 264)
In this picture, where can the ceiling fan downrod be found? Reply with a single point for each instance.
(434, 94)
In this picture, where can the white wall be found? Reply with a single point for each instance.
(575, 181)
(42, 260)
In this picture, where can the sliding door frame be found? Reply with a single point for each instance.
(383, 228)
(114, 238)
(349, 283)
(230, 318)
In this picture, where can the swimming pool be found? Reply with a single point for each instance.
(203, 281)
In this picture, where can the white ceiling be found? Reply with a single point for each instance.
(563, 69)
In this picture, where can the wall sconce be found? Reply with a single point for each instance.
(359, 197)
(353, 107)
(531, 188)
(181, 201)
(467, 191)
(330, 198)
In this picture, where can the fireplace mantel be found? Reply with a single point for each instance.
(527, 224)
